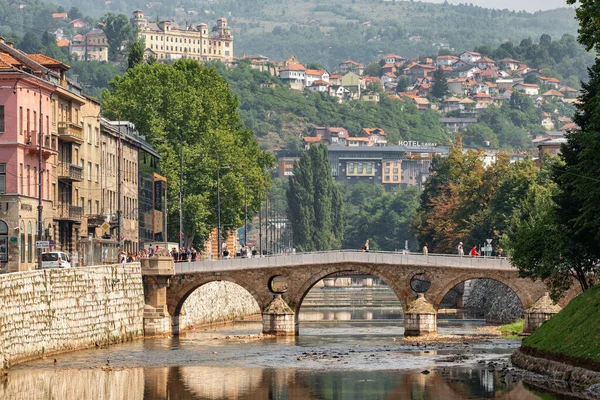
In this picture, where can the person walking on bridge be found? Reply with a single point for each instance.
(460, 249)
(473, 252)
(425, 250)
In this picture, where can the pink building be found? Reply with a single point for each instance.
(24, 120)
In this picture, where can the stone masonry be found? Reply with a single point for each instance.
(57, 310)
(216, 302)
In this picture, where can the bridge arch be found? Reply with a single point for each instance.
(295, 299)
(179, 292)
(438, 291)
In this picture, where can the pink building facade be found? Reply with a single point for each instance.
(20, 111)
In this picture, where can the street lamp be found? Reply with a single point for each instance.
(219, 166)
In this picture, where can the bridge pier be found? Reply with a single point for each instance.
(279, 319)
(156, 272)
(420, 318)
(541, 311)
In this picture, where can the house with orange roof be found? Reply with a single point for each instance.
(79, 23)
(482, 100)
(375, 135)
(508, 64)
(389, 67)
(530, 89)
(445, 61)
(450, 104)
(460, 86)
(552, 82)
(351, 66)
(63, 43)
(64, 16)
(359, 142)
(568, 92)
(547, 121)
(552, 95)
(470, 56)
(393, 59)
(312, 75)
(294, 75)
(485, 63)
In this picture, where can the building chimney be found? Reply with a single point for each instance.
(1, 39)
(11, 44)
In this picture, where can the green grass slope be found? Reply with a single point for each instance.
(574, 333)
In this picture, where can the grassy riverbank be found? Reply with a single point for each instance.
(573, 335)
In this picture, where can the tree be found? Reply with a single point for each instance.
(74, 13)
(440, 84)
(315, 203)
(118, 30)
(188, 107)
(316, 66)
(31, 43)
(373, 69)
(588, 14)
(136, 54)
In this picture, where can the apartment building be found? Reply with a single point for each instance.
(165, 40)
(53, 142)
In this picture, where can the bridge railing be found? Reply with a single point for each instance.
(346, 256)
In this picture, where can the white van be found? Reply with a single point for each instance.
(55, 259)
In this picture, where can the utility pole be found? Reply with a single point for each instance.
(267, 222)
(40, 182)
(260, 230)
(180, 234)
(119, 155)
(219, 211)
(245, 211)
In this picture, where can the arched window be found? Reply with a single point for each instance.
(23, 246)
(3, 241)
(29, 244)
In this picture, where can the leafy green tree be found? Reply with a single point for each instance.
(136, 54)
(188, 108)
(373, 69)
(315, 203)
(118, 30)
(479, 134)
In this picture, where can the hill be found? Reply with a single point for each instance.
(362, 30)
(573, 335)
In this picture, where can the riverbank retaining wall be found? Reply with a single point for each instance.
(217, 302)
(57, 310)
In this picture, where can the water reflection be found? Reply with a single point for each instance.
(208, 382)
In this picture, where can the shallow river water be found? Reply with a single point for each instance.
(332, 359)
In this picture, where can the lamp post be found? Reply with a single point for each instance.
(180, 233)
(245, 211)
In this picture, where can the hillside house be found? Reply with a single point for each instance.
(508, 64)
(445, 61)
(294, 75)
(470, 57)
(530, 89)
(375, 135)
(312, 75)
(393, 59)
(351, 66)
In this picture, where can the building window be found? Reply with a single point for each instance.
(89, 170)
(97, 171)
(29, 244)
(1, 119)
(28, 180)
(2, 178)
(96, 136)
(89, 133)
(89, 206)
(395, 170)
(23, 246)
(387, 170)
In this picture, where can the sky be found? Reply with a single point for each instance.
(527, 5)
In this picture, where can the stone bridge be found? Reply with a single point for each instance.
(280, 283)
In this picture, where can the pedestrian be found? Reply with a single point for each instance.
(499, 252)
(425, 250)
(226, 254)
(367, 246)
(473, 252)
(122, 257)
(244, 252)
(461, 251)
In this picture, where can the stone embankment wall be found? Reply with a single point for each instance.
(57, 310)
(495, 300)
(216, 302)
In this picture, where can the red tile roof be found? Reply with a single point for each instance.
(46, 61)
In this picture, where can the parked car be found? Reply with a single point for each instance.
(55, 259)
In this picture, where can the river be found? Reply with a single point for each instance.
(344, 351)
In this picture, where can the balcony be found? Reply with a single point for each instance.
(49, 144)
(67, 212)
(70, 132)
(68, 172)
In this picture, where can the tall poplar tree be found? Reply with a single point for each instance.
(315, 203)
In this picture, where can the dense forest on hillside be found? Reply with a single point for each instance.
(332, 32)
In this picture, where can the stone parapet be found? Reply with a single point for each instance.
(279, 319)
(58, 310)
(420, 318)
